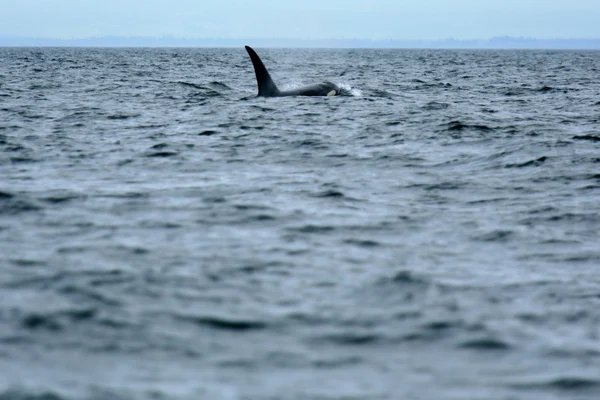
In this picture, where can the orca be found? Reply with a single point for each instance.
(268, 88)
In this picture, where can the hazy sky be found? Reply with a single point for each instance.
(302, 19)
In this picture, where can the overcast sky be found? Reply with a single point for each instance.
(302, 19)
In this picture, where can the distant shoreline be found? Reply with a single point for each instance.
(493, 43)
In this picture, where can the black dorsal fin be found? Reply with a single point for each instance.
(266, 86)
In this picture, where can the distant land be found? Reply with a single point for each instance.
(505, 42)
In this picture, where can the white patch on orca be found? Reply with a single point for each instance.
(332, 93)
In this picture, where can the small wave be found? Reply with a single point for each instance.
(443, 325)
(587, 137)
(84, 294)
(330, 193)
(22, 159)
(207, 133)
(121, 116)
(257, 218)
(514, 92)
(405, 278)
(443, 186)
(485, 344)
(338, 362)
(44, 86)
(489, 110)
(16, 147)
(430, 331)
(499, 235)
(211, 89)
(247, 127)
(532, 163)
(460, 126)
(424, 84)
(189, 84)
(564, 383)
(26, 262)
(219, 85)
(12, 204)
(366, 243)
(262, 109)
(340, 155)
(314, 229)
(162, 154)
(310, 228)
(595, 177)
(434, 105)
(382, 94)
(148, 126)
(60, 198)
(545, 89)
(224, 323)
(36, 322)
(250, 207)
(125, 195)
(13, 394)
(403, 287)
(350, 338)
(311, 143)
(56, 321)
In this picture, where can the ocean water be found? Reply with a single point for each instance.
(433, 233)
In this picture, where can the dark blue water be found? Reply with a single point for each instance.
(434, 233)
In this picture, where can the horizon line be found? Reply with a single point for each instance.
(497, 42)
